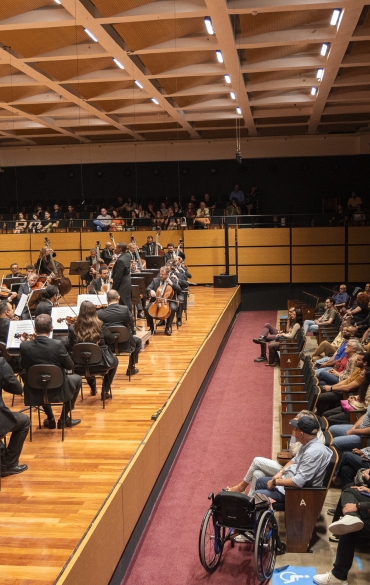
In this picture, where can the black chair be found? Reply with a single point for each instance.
(86, 355)
(122, 335)
(46, 377)
(2, 438)
(7, 357)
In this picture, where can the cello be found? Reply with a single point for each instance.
(58, 279)
(160, 308)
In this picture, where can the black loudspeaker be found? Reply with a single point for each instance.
(225, 281)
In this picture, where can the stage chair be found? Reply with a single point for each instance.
(2, 438)
(121, 335)
(45, 377)
(86, 355)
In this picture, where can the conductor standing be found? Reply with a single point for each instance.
(121, 275)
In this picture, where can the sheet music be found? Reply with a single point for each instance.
(96, 300)
(25, 326)
(60, 313)
(21, 305)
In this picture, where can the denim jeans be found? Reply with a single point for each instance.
(343, 442)
(261, 484)
(310, 326)
(100, 227)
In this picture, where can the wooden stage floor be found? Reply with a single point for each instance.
(46, 513)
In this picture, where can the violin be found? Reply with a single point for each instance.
(26, 336)
(4, 292)
(69, 320)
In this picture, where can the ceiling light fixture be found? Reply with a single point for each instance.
(138, 84)
(320, 74)
(238, 110)
(118, 63)
(209, 27)
(313, 90)
(58, 1)
(91, 35)
(155, 101)
(232, 95)
(219, 56)
(227, 78)
(335, 16)
(324, 49)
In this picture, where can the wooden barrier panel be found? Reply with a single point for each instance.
(264, 237)
(324, 273)
(359, 254)
(205, 274)
(359, 273)
(359, 235)
(263, 255)
(317, 236)
(269, 274)
(318, 254)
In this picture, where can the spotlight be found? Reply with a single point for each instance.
(219, 56)
(335, 17)
(91, 35)
(313, 90)
(118, 63)
(232, 95)
(209, 27)
(227, 78)
(324, 49)
(238, 110)
(320, 74)
(58, 1)
(138, 84)
(155, 101)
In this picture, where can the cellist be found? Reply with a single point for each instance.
(154, 290)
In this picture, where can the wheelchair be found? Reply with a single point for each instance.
(231, 511)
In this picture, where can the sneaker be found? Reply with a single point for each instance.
(334, 538)
(328, 578)
(242, 538)
(346, 524)
(263, 358)
(331, 512)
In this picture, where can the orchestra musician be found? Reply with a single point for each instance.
(149, 247)
(25, 289)
(121, 279)
(107, 253)
(92, 272)
(49, 298)
(176, 275)
(43, 350)
(14, 271)
(97, 283)
(6, 316)
(116, 314)
(42, 264)
(152, 291)
(170, 254)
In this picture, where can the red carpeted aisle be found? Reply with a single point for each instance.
(231, 426)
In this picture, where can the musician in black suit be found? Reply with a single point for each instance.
(177, 276)
(157, 282)
(88, 277)
(149, 248)
(121, 275)
(97, 283)
(16, 423)
(43, 350)
(49, 297)
(118, 315)
(107, 253)
(25, 289)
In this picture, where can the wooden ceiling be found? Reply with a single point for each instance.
(59, 86)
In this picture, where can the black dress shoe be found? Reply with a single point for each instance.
(168, 331)
(5, 471)
(107, 395)
(179, 323)
(161, 323)
(263, 358)
(49, 423)
(69, 422)
(132, 372)
(260, 339)
(141, 315)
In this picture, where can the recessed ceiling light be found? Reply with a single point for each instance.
(320, 74)
(91, 35)
(324, 49)
(232, 95)
(118, 63)
(58, 1)
(138, 84)
(227, 78)
(209, 27)
(335, 16)
(155, 101)
(238, 110)
(313, 90)
(219, 56)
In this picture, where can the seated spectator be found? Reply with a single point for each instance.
(343, 368)
(341, 297)
(177, 210)
(20, 224)
(253, 200)
(328, 317)
(103, 221)
(351, 463)
(324, 364)
(340, 414)
(233, 208)
(352, 528)
(327, 349)
(164, 210)
(71, 213)
(307, 468)
(158, 222)
(140, 213)
(172, 225)
(47, 224)
(194, 201)
(270, 333)
(201, 221)
(358, 216)
(260, 466)
(359, 310)
(57, 214)
(131, 223)
(202, 207)
(128, 206)
(190, 211)
(117, 223)
(237, 194)
(210, 203)
(39, 211)
(339, 218)
(347, 437)
(120, 204)
(35, 226)
(353, 201)
(295, 323)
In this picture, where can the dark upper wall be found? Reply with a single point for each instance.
(286, 184)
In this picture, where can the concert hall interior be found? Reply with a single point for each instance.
(185, 292)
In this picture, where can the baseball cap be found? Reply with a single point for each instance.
(305, 424)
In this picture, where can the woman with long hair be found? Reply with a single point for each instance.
(20, 224)
(341, 414)
(44, 260)
(118, 223)
(89, 329)
(295, 322)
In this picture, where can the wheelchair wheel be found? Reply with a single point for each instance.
(265, 545)
(211, 542)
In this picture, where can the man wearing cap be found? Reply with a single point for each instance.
(307, 468)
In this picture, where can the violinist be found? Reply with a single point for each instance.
(42, 264)
(155, 290)
(49, 299)
(14, 271)
(25, 289)
(103, 279)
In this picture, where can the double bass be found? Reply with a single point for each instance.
(58, 279)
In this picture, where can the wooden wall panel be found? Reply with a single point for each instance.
(359, 254)
(206, 238)
(318, 255)
(205, 274)
(359, 235)
(58, 241)
(15, 242)
(264, 237)
(324, 273)
(263, 255)
(312, 236)
(208, 257)
(7, 258)
(359, 273)
(270, 274)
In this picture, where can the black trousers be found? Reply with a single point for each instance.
(337, 416)
(349, 466)
(348, 542)
(74, 381)
(327, 401)
(10, 455)
(150, 320)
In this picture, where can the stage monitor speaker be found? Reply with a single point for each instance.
(225, 281)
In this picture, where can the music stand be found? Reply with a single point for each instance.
(154, 261)
(16, 280)
(79, 268)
